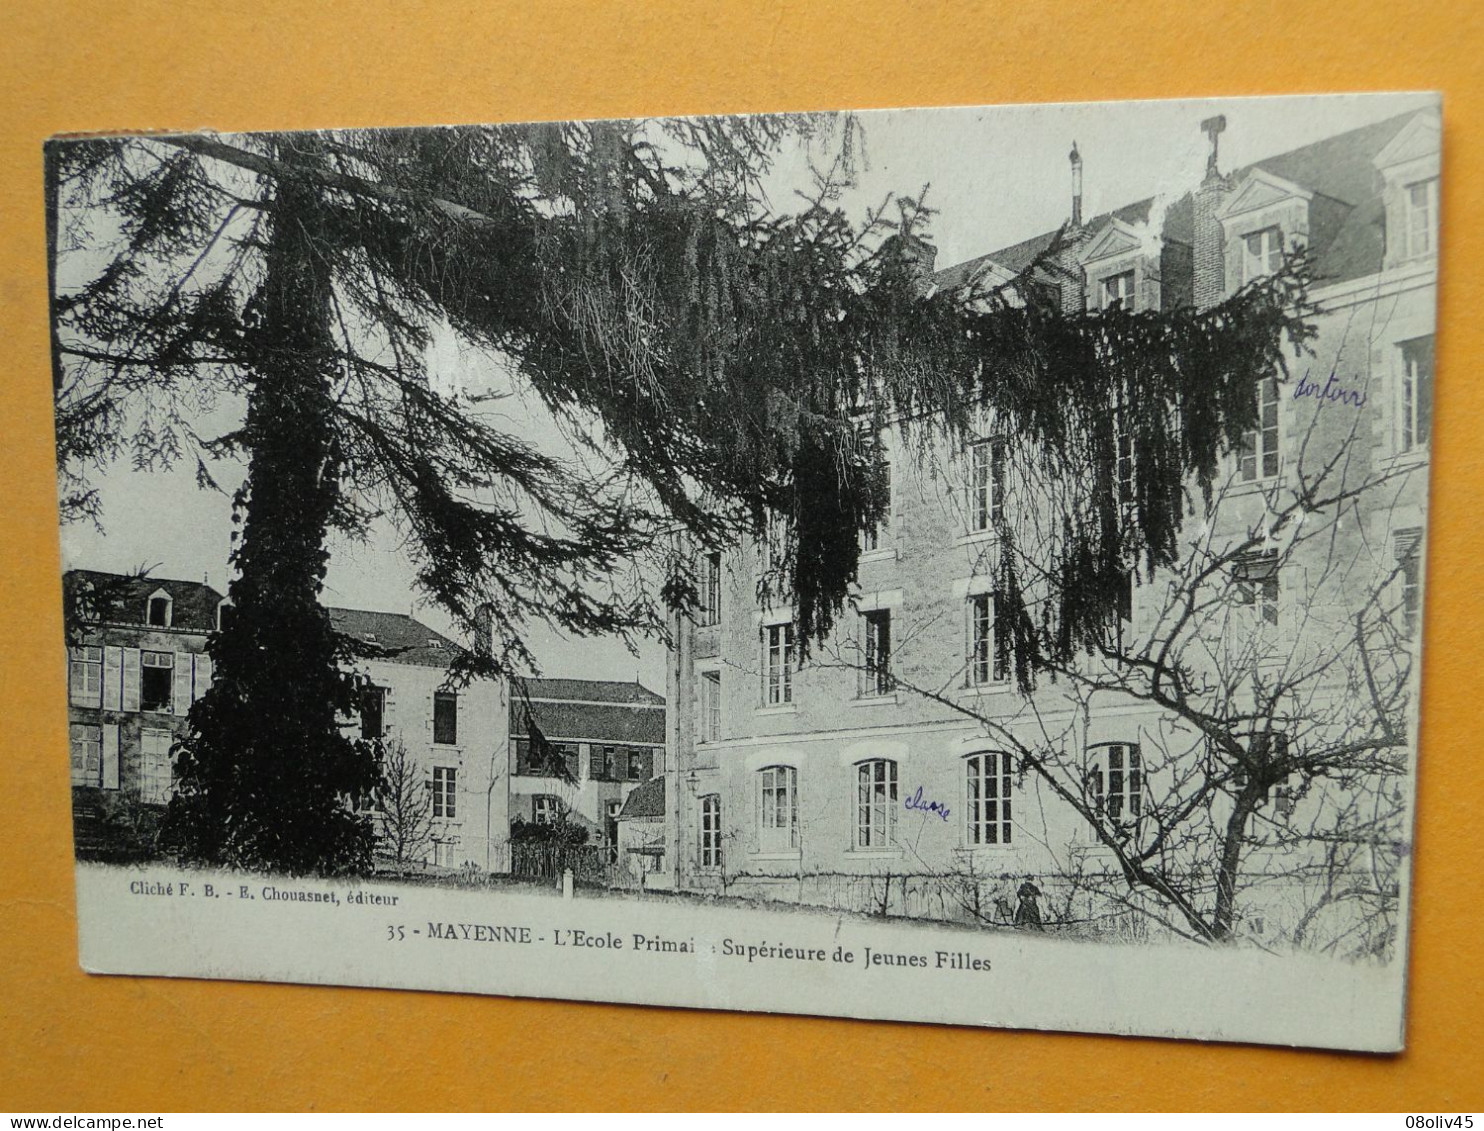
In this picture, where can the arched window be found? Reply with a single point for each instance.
(711, 831)
(777, 808)
(988, 794)
(158, 610)
(876, 803)
(1115, 779)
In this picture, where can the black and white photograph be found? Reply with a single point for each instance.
(956, 565)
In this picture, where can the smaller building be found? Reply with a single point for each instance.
(642, 859)
(136, 662)
(609, 738)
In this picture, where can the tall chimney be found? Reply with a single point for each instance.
(1076, 159)
(1210, 250)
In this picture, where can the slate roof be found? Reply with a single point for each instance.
(120, 599)
(591, 710)
(395, 637)
(1347, 234)
(646, 801)
(593, 691)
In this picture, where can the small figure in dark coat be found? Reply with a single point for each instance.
(1028, 914)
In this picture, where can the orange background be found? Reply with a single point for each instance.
(79, 1043)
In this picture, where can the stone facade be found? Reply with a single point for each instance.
(830, 784)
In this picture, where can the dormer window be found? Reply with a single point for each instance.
(1421, 205)
(1119, 289)
(1262, 253)
(223, 614)
(158, 611)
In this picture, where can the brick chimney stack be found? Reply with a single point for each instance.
(1210, 249)
(1076, 159)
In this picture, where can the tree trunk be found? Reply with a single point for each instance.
(268, 777)
(1231, 858)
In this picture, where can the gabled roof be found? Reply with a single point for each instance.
(646, 801)
(395, 637)
(1346, 235)
(123, 599)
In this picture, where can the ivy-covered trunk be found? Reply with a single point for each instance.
(267, 779)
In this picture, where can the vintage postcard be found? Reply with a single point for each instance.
(950, 565)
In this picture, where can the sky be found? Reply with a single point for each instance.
(995, 175)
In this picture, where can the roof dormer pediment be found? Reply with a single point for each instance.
(1419, 138)
(1261, 189)
(1115, 239)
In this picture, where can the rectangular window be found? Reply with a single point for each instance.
(85, 677)
(636, 765)
(445, 792)
(1119, 289)
(709, 590)
(1123, 460)
(876, 804)
(156, 681)
(1416, 393)
(876, 678)
(711, 831)
(988, 813)
(155, 779)
(986, 484)
(1262, 253)
(871, 538)
(778, 663)
(1256, 576)
(778, 809)
(87, 754)
(445, 718)
(373, 712)
(544, 809)
(986, 665)
(1408, 544)
(603, 763)
(1260, 445)
(1422, 217)
(710, 706)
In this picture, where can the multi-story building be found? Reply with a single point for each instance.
(892, 754)
(456, 748)
(610, 737)
(138, 660)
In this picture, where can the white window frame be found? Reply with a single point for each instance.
(708, 701)
(149, 659)
(1261, 446)
(149, 609)
(1118, 287)
(987, 458)
(778, 809)
(1410, 380)
(708, 610)
(445, 786)
(876, 652)
(778, 664)
(546, 809)
(988, 798)
(85, 752)
(446, 696)
(1124, 804)
(156, 774)
(1262, 252)
(1259, 589)
(985, 667)
(1408, 548)
(85, 682)
(710, 831)
(1421, 238)
(876, 800)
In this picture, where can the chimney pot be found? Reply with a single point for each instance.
(1076, 160)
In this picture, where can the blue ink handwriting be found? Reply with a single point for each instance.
(1330, 392)
(937, 807)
